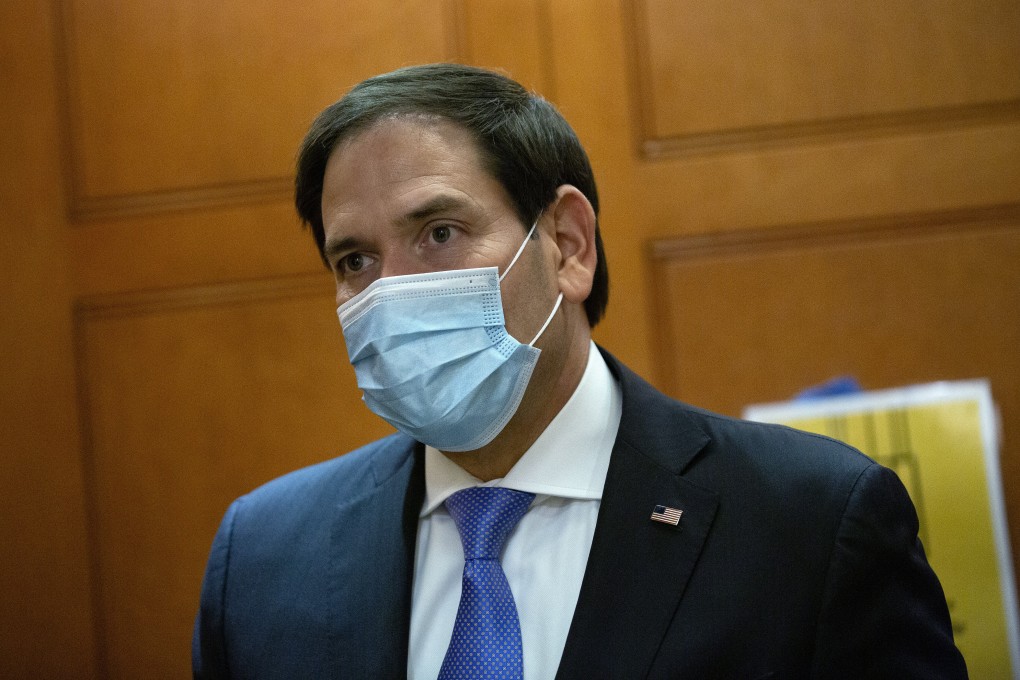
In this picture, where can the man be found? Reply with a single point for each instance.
(649, 539)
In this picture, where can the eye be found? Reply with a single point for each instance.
(352, 263)
(441, 234)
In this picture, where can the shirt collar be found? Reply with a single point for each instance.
(569, 459)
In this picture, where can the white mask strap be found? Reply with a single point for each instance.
(519, 251)
(547, 321)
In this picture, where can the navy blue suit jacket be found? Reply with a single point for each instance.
(796, 557)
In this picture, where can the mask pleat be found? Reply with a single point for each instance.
(409, 366)
(410, 320)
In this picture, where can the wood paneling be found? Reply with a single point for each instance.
(192, 398)
(736, 73)
(514, 37)
(173, 105)
(45, 613)
(180, 124)
(751, 317)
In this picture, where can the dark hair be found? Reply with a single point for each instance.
(522, 139)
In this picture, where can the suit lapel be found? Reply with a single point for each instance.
(372, 563)
(638, 568)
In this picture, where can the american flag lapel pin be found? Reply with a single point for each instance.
(667, 515)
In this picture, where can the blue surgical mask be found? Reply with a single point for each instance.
(433, 357)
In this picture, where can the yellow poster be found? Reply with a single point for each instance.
(942, 441)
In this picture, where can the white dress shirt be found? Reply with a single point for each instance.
(545, 557)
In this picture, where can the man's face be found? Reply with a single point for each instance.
(410, 195)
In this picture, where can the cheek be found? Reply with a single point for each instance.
(344, 292)
(529, 299)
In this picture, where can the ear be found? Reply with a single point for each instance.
(574, 224)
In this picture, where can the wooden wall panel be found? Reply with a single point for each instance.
(745, 73)
(45, 613)
(751, 317)
(192, 398)
(486, 27)
(692, 176)
(190, 102)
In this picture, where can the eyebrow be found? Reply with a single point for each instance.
(439, 204)
(333, 248)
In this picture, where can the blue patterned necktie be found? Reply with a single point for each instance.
(486, 640)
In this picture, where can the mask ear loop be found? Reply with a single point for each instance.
(519, 251)
(541, 330)
(506, 271)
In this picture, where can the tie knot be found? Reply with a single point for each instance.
(485, 516)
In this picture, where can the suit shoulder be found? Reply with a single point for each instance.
(341, 477)
(712, 440)
(784, 462)
(774, 438)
